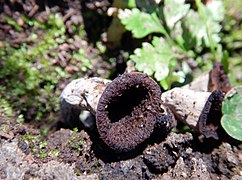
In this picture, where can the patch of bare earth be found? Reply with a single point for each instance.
(81, 155)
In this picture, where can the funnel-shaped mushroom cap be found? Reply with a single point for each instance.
(218, 79)
(209, 120)
(127, 111)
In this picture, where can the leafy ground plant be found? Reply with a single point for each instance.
(232, 113)
(181, 33)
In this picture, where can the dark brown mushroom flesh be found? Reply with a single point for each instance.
(218, 79)
(165, 120)
(127, 111)
(209, 120)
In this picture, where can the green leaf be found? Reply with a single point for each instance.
(153, 58)
(157, 59)
(216, 10)
(211, 20)
(175, 10)
(200, 28)
(232, 113)
(194, 27)
(140, 23)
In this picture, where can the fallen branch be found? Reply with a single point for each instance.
(186, 104)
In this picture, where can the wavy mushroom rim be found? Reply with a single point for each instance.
(127, 111)
(165, 120)
(218, 79)
(209, 120)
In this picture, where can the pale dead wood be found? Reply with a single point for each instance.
(200, 84)
(79, 95)
(186, 104)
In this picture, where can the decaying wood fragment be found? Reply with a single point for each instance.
(201, 111)
(186, 104)
(200, 84)
(79, 95)
(83, 94)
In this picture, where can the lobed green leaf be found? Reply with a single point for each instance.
(140, 23)
(175, 10)
(159, 60)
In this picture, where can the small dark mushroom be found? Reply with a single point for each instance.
(210, 81)
(209, 120)
(218, 79)
(201, 111)
(127, 111)
(165, 120)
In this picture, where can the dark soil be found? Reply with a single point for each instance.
(82, 155)
(26, 152)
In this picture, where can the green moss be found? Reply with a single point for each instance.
(5, 108)
(76, 142)
(14, 23)
(38, 145)
(29, 77)
(54, 153)
(42, 154)
(75, 130)
(42, 144)
(30, 138)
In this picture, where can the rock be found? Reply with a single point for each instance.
(15, 164)
(227, 160)
(161, 156)
(196, 170)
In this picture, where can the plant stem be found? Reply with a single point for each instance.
(212, 45)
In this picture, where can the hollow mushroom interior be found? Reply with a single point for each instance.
(125, 104)
(127, 111)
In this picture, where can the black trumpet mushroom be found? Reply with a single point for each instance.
(209, 120)
(128, 110)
